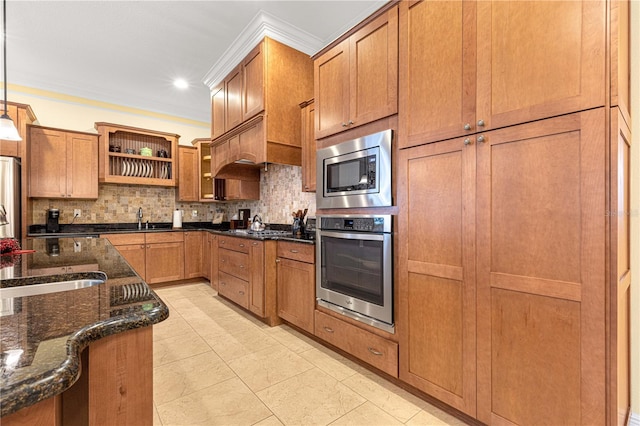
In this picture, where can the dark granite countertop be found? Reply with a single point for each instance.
(42, 336)
(82, 230)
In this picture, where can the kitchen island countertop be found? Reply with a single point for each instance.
(42, 336)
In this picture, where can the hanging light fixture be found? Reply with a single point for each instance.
(8, 130)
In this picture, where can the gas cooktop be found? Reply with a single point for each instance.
(264, 233)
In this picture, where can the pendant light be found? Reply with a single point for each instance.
(8, 130)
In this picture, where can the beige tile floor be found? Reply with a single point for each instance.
(214, 364)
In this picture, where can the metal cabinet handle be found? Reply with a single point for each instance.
(344, 124)
(350, 123)
(467, 126)
(241, 266)
(375, 352)
(254, 244)
(241, 245)
(222, 283)
(481, 138)
(241, 292)
(277, 260)
(481, 123)
(328, 329)
(293, 251)
(141, 246)
(467, 141)
(222, 261)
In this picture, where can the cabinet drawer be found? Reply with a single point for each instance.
(234, 289)
(234, 263)
(124, 239)
(375, 350)
(236, 244)
(164, 237)
(297, 251)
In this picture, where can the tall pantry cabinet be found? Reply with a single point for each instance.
(513, 187)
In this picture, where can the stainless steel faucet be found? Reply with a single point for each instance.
(140, 218)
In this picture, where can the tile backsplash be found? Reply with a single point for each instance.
(280, 194)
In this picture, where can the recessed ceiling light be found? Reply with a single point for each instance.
(180, 83)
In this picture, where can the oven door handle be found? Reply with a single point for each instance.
(374, 236)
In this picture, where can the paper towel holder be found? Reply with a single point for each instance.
(177, 219)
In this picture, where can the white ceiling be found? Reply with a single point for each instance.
(129, 52)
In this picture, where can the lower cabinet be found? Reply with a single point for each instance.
(371, 348)
(164, 257)
(296, 284)
(156, 257)
(247, 276)
(206, 255)
(193, 254)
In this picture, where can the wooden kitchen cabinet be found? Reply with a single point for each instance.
(217, 111)
(193, 254)
(296, 284)
(308, 146)
(468, 65)
(21, 115)
(188, 174)
(136, 169)
(133, 248)
(165, 257)
(261, 108)
(541, 247)
(356, 80)
(63, 164)
(436, 273)
(247, 274)
(205, 180)
(371, 348)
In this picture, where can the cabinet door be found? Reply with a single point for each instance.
(373, 70)
(193, 254)
(233, 98)
(296, 292)
(438, 72)
(217, 111)
(82, 166)
(541, 272)
(135, 255)
(308, 148)
(331, 78)
(539, 59)
(164, 262)
(48, 163)
(253, 91)
(188, 179)
(256, 279)
(436, 247)
(206, 255)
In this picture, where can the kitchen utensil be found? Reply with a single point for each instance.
(130, 151)
(146, 152)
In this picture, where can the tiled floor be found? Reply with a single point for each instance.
(216, 365)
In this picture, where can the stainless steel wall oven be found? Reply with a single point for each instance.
(354, 261)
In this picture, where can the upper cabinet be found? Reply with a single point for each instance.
(123, 156)
(188, 180)
(469, 67)
(22, 115)
(255, 116)
(356, 80)
(62, 163)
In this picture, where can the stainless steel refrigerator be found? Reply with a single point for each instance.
(10, 198)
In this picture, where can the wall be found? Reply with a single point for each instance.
(74, 113)
(635, 218)
(279, 195)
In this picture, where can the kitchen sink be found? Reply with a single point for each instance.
(44, 286)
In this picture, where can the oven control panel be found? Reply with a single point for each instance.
(379, 223)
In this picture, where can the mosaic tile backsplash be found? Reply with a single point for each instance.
(280, 194)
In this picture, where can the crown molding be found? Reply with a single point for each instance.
(262, 25)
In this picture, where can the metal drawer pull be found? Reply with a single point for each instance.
(241, 245)
(254, 244)
(241, 292)
(373, 351)
(241, 266)
(293, 251)
(223, 283)
(328, 329)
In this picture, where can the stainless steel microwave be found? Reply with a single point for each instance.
(356, 173)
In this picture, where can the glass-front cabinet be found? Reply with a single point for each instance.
(130, 155)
